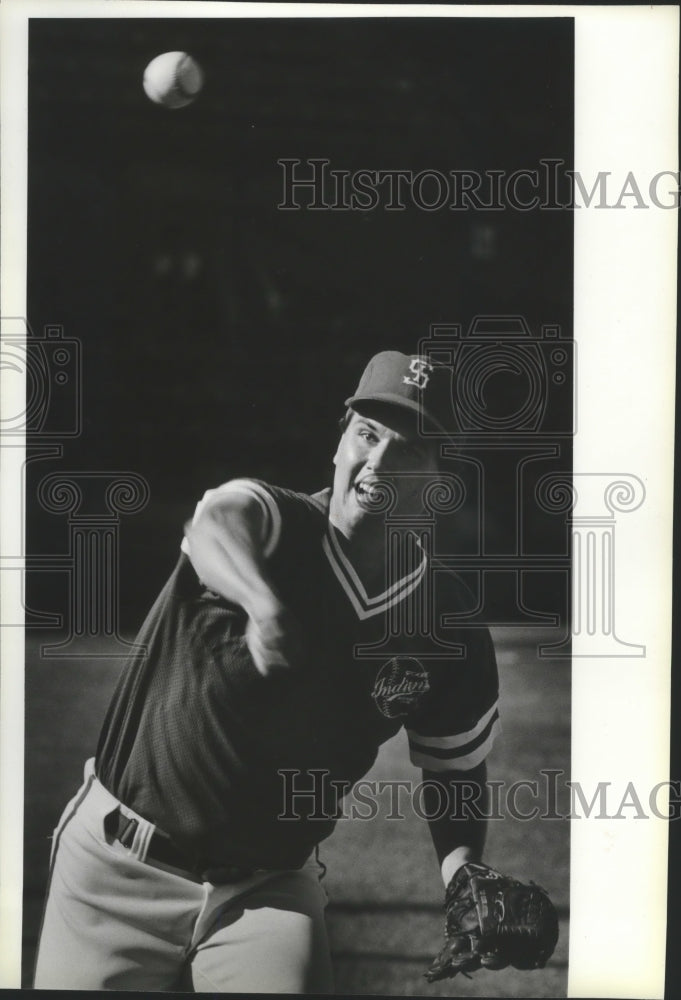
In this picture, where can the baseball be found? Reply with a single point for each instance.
(173, 79)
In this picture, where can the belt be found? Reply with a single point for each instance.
(162, 853)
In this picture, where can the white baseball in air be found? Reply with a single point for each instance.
(173, 79)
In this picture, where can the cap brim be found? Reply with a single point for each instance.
(392, 399)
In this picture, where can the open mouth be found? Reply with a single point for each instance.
(368, 493)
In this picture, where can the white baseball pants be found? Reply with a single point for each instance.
(113, 922)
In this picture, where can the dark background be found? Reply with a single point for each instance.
(220, 335)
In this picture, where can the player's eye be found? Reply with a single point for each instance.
(367, 435)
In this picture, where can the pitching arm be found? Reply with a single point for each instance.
(459, 833)
(229, 555)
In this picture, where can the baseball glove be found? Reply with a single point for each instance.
(492, 921)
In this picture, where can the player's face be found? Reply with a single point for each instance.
(379, 468)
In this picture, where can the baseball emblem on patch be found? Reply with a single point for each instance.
(399, 685)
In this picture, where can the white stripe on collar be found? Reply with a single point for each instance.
(346, 575)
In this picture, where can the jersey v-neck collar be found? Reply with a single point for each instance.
(364, 605)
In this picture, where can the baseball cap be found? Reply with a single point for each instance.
(410, 381)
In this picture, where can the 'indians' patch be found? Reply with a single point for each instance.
(399, 685)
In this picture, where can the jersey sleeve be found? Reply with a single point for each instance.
(264, 495)
(457, 724)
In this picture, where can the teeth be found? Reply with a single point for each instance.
(367, 489)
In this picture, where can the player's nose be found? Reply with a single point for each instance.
(378, 457)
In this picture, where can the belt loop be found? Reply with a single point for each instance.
(127, 832)
(133, 832)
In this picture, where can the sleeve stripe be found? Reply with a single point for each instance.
(249, 487)
(464, 763)
(453, 753)
(272, 529)
(458, 739)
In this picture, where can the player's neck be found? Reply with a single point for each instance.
(368, 556)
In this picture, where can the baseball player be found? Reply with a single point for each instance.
(295, 635)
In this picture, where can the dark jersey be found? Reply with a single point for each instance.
(203, 745)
